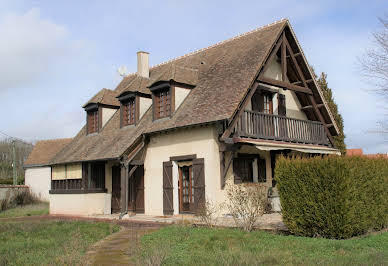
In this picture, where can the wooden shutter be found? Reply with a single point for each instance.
(199, 183)
(282, 105)
(168, 206)
(262, 170)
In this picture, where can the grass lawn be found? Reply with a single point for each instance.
(179, 245)
(48, 241)
(27, 210)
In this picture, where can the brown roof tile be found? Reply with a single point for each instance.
(44, 151)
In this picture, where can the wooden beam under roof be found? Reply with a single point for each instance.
(311, 97)
(284, 84)
(307, 107)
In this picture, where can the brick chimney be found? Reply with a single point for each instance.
(143, 68)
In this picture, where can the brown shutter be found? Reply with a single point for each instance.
(168, 207)
(199, 183)
(282, 105)
(236, 170)
(262, 170)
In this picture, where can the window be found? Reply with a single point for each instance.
(92, 121)
(267, 103)
(128, 112)
(96, 178)
(282, 105)
(245, 170)
(162, 103)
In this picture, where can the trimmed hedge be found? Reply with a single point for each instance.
(333, 197)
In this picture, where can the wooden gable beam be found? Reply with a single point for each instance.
(283, 84)
(311, 97)
(307, 107)
(284, 59)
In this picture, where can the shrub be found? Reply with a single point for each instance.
(208, 213)
(25, 197)
(246, 204)
(333, 197)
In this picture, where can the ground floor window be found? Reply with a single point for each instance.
(249, 168)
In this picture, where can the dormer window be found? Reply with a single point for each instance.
(129, 112)
(133, 106)
(92, 120)
(162, 100)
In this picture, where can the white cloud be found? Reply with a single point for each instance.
(31, 48)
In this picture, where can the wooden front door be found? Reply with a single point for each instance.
(116, 189)
(186, 189)
(136, 191)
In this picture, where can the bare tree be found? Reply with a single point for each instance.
(374, 66)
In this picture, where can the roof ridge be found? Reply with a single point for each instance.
(219, 43)
(54, 139)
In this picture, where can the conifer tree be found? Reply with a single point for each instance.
(328, 94)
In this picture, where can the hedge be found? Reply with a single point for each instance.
(333, 197)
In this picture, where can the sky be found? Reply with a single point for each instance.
(55, 55)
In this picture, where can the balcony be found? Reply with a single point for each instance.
(274, 127)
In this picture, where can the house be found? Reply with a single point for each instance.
(170, 136)
(360, 152)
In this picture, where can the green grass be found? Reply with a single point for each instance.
(27, 210)
(49, 242)
(179, 245)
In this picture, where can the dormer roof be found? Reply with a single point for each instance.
(104, 96)
(179, 74)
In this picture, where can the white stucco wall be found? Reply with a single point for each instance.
(200, 141)
(107, 113)
(180, 95)
(293, 105)
(145, 104)
(80, 204)
(39, 181)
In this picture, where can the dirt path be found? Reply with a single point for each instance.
(118, 248)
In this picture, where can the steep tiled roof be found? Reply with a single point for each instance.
(104, 96)
(44, 151)
(222, 74)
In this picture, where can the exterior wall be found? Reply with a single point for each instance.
(180, 95)
(107, 113)
(201, 141)
(39, 181)
(80, 204)
(292, 103)
(145, 104)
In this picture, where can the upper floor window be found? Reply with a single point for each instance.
(162, 103)
(262, 102)
(129, 112)
(92, 121)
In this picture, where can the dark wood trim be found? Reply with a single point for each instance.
(284, 59)
(282, 84)
(91, 107)
(172, 100)
(182, 85)
(183, 157)
(273, 54)
(99, 119)
(226, 169)
(137, 162)
(77, 191)
(108, 106)
(137, 109)
(160, 86)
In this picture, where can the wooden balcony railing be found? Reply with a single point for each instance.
(273, 127)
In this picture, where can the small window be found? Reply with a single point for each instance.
(92, 121)
(162, 103)
(129, 112)
(243, 170)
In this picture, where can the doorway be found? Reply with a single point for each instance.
(136, 190)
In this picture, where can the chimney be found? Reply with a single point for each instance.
(143, 68)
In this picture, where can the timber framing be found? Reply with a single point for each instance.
(302, 86)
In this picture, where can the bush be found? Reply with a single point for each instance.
(333, 197)
(246, 204)
(22, 198)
